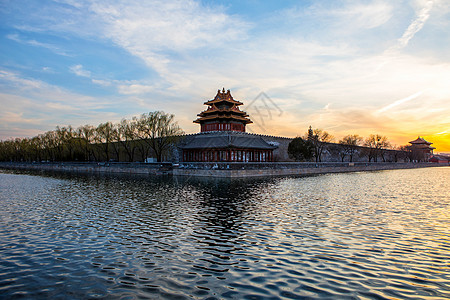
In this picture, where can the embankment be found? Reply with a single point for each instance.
(222, 169)
(88, 167)
(239, 170)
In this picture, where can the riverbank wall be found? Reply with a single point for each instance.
(240, 170)
(221, 170)
(82, 167)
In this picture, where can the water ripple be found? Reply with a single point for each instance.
(377, 235)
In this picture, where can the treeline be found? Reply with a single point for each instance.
(315, 143)
(149, 135)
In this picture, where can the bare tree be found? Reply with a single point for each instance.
(319, 138)
(104, 136)
(86, 133)
(336, 150)
(60, 140)
(49, 144)
(159, 130)
(116, 139)
(128, 133)
(70, 141)
(376, 145)
(350, 144)
(36, 143)
(404, 153)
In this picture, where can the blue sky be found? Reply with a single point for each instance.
(344, 66)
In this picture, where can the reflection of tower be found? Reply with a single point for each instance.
(222, 136)
(223, 114)
(219, 225)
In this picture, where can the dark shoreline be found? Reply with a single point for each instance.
(216, 170)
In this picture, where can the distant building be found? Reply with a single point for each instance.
(222, 135)
(440, 159)
(421, 149)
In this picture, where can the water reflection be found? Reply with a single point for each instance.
(360, 235)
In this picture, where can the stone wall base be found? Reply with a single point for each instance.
(241, 172)
(296, 171)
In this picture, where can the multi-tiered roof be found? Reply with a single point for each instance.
(223, 137)
(223, 114)
(421, 143)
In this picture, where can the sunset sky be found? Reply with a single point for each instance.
(348, 67)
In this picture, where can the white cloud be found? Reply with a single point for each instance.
(31, 97)
(414, 27)
(74, 3)
(16, 80)
(130, 89)
(175, 25)
(363, 15)
(57, 106)
(400, 101)
(442, 132)
(51, 47)
(151, 29)
(80, 71)
(17, 118)
(160, 32)
(342, 17)
(101, 82)
(31, 106)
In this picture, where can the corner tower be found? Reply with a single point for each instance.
(223, 114)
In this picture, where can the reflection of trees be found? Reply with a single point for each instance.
(188, 223)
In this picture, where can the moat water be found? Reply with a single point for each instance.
(368, 235)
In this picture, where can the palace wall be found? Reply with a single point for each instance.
(331, 152)
(280, 154)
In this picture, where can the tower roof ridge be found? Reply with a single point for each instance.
(223, 96)
(223, 113)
